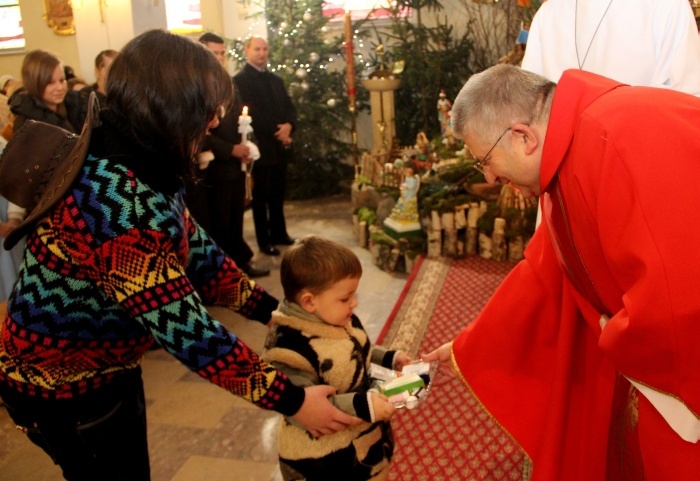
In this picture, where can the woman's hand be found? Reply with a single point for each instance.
(319, 416)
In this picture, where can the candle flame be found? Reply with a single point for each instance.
(245, 110)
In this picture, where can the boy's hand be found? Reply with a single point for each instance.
(383, 409)
(401, 359)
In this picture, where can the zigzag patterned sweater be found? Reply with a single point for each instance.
(117, 263)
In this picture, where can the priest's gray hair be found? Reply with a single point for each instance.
(499, 97)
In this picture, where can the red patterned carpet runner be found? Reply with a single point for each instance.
(451, 436)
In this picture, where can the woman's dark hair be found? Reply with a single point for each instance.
(168, 88)
(37, 71)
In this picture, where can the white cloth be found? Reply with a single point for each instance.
(204, 158)
(254, 152)
(15, 212)
(640, 42)
(674, 411)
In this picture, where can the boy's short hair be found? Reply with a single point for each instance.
(315, 263)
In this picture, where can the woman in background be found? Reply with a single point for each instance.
(45, 95)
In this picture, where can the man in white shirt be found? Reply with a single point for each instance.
(652, 43)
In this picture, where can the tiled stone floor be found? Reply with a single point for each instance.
(196, 430)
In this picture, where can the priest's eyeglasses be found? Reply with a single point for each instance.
(481, 164)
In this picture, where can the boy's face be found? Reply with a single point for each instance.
(334, 306)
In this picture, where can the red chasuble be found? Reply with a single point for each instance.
(619, 173)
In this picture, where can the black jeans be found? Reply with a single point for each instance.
(99, 436)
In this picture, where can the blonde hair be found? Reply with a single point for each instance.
(315, 263)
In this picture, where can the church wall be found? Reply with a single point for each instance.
(39, 35)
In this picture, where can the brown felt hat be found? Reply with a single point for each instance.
(38, 166)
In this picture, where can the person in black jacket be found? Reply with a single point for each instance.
(45, 96)
(274, 119)
(219, 199)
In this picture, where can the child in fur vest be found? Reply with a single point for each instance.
(316, 339)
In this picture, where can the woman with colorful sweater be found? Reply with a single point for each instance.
(117, 262)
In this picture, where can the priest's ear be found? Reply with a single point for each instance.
(527, 136)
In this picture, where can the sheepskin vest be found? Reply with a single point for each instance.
(340, 357)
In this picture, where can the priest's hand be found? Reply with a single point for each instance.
(319, 416)
(443, 354)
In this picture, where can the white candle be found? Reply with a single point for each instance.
(244, 121)
(244, 128)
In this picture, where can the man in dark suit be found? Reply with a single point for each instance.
(223, 188)
(274, 118)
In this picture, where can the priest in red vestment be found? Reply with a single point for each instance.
(612, 393)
